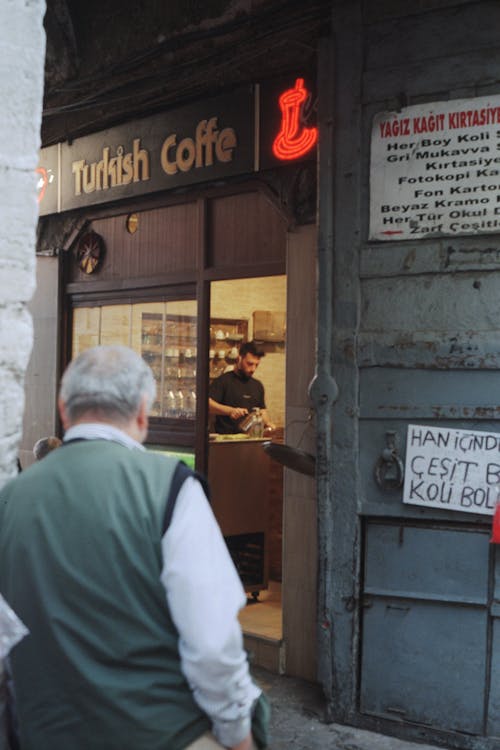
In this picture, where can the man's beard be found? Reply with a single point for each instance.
(243, 374)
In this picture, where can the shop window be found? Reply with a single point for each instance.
(163, 333)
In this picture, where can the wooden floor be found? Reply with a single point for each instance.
(262, 618)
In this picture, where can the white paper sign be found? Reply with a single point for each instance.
(452, 469)
(435, 170)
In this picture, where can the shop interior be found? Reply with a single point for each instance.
(247, 485)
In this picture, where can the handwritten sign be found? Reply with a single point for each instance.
(452, 469)
(435, 170)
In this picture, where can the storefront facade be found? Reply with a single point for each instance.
(179, 248)
(390, 593)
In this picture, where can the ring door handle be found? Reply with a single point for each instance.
(389, 469)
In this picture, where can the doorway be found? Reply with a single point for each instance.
(247, 486)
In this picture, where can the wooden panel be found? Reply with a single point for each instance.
(245, 229)
(275, 519)
(299, 511)
(301, 315)
(166, 241)
(299, 591)
(238, 473)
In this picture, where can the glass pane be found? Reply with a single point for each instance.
(147, 334)
(86, 328)
(163, 333)
(179, 396)
(115, 325)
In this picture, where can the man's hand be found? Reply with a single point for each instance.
(237, 412)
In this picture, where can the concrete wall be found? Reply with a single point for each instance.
(22, 41)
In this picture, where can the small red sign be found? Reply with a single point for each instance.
(293, 140)
(41, 182)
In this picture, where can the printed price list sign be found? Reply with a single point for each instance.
(435, 170)
(452, 469)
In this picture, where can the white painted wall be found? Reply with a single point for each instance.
(22, 41)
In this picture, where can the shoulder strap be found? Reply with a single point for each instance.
(181, 473)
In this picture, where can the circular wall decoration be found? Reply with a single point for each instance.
(90, 252)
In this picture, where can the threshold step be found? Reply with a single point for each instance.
(265, 652)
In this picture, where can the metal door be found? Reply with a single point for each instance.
(425, 624)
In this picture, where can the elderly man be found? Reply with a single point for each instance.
(112, 558)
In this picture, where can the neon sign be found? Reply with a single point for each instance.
(44, 178)
(42, 183)
(293, 140)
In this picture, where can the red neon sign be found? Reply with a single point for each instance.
(42, 182)
(293, 140)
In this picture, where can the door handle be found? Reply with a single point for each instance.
(389, 469)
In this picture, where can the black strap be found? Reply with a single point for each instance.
(181, 473)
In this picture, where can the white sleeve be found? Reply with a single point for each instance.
(205, 594)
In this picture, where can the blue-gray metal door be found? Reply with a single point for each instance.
(425, 624)
(430, 578)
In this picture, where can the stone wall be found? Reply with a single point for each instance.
(22, 41)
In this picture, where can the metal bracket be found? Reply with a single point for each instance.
(323, 390)
(389, 469)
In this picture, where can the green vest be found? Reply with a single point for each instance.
(80, 563)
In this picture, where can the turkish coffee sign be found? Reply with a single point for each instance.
(206, 141)
(435, 170)
(193, 144)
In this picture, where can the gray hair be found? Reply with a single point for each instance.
(110, 380)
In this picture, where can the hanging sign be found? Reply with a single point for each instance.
(251, 128)
(206, 141)
(435, 170)
(451, 469)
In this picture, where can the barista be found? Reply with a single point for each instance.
(235, 393)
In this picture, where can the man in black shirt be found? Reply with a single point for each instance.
(234, 394)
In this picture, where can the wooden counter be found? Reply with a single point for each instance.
(238, 472)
